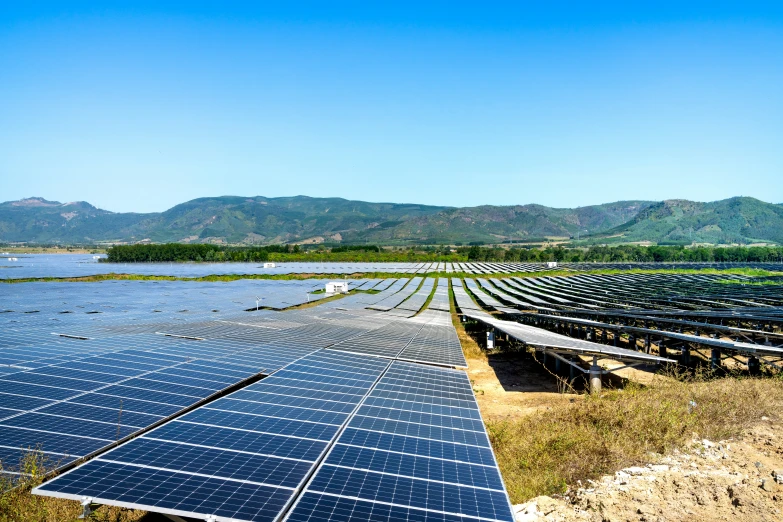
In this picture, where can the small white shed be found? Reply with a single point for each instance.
(551, 264)
(337, 287)
(269, 265)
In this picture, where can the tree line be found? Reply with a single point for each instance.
(176, 252)
(629, 254)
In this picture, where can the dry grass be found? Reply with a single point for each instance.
(543, 453)
(17, 504)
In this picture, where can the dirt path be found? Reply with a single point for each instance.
(508, 386)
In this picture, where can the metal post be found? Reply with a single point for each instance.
(490, 339)
(662, 348)
(572, 370)
(557, 366)
(595, 377)
(754, 365)
(647, 343)
(715, 359)
(685, 356)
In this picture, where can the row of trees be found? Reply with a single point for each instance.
(176, 252)
(630, 253)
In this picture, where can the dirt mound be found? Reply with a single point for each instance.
(734, 480)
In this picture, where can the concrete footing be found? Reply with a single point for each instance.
(595, 377)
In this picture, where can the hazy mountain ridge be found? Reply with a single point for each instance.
(261, 220)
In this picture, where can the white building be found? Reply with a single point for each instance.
(269, 265)
(551, 264)
(337, 287)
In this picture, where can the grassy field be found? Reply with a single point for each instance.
(750, 272)
(545, 453)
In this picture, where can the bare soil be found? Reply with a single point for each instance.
(733, 480)
(510, 386)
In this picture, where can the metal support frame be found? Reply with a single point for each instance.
(88, 507)
(558, 358)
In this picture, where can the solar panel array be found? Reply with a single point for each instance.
(106, 373)
(81, 265)
(440, 299)
(167, 417)
(415, 302)
(436, 342)
(75, 408)
(638, 310)
(242, 457)
(394, 300)
(416, 449)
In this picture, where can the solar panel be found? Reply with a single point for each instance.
(409, 459)
(79, 407)
(436, 342)
(241, 457)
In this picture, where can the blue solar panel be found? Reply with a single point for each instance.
(394, 459)
(257, 455)
(185, 494)
(316, 507)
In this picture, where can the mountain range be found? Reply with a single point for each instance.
(302, 219)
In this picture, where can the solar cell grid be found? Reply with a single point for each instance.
(424, 462)
(222, 439)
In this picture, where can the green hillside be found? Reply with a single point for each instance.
(301, 219)
(495, 224)
(734, 220)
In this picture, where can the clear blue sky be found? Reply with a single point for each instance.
(140, 106)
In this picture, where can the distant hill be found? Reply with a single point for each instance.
(495, 224)
(734, 220)
(301, 219)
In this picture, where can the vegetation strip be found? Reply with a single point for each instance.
(751, 272)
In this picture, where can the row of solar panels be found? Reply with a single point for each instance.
(754, 342)
(143, 297)
(331, 440)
